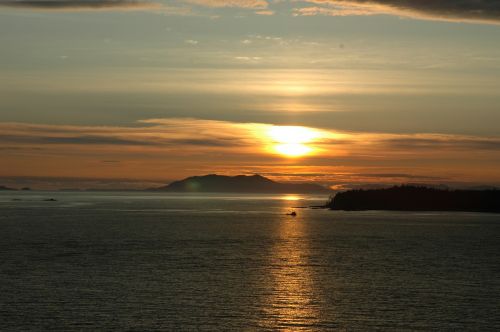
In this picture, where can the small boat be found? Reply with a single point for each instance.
(293, 214)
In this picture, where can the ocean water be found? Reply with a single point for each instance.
(151, 262)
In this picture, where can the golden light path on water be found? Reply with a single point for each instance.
(292, 302)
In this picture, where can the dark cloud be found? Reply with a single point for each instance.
(335, 177)
(455, 9)
(296, 174)
(219, 142)
(91, 140)
(110, 140)
(84, 139)
(18, 148)
(76, 4)
(452, 144)
(398, 175)
(468, 10)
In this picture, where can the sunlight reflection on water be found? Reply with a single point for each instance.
(292, 301)
(143, 262)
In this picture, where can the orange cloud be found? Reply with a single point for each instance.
(185, 147)
(252, 4)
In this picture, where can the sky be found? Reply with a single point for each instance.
(134, 94)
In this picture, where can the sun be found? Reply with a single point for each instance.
(292, 150)
(291, 141)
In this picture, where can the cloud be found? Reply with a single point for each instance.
(199, 133)
(250, 4)
(398, 175)
(187, 146)
(156, 133)
(444, 142)
(328, 177)
(265, 12)
(74, 140)
(485, 11)
(80, 4)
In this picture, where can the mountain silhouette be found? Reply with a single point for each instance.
(240, 184)
(412, 198)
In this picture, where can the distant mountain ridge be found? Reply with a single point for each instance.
(241, 184)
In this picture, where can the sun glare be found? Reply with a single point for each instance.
(292, 134)
(291, 141)
(292, 150)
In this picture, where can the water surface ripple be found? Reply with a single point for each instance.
(117, 261)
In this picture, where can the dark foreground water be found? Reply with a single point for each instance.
(110, 261)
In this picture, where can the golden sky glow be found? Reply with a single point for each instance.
(168, 149)
(323, 91)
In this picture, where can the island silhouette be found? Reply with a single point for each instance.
(6, 188)
(241, 184)
(416, 198)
